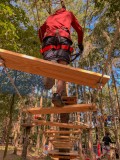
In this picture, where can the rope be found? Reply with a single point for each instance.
(11, 79)
(12, 82)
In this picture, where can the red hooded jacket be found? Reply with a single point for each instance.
(60, 23)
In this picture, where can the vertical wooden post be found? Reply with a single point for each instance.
(90, 139)
(26, 142)
(116, 129)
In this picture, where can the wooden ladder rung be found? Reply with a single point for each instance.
(63, 157)
(63, 125)
(62, 132)
(45, 68)
(65, 109)
(56, 152)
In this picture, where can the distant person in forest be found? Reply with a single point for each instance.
(106, 148)
(56, 42)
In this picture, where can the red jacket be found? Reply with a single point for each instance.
(60, 23)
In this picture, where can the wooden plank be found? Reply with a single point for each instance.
(41, 67)
(27, 125)
(60, 137)
(62, 132)
(65, 109)
(63, 146)
(61, 140)
(63, 157)
(69, 100)
(63, 125)
(55, 152)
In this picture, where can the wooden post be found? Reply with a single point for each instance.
(26, 142)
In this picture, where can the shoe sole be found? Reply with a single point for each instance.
(48, 83)
(57, 103)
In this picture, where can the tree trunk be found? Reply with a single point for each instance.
(116, 129)
(38, 140)
(26, 143)
(43, 141)
(9, 125)
(90, 139)
(116, 95)
(17, 134)
(102, 112)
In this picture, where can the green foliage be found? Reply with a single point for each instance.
(112, 6)
(16, 33)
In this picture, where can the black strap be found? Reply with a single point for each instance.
(75, 56)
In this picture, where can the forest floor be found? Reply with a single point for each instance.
(11, 156)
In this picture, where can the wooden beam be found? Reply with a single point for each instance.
(41, 67)
(60, 137)
(63, 125)
(27, 125)
(63, 157)
(62, 132)
(71, 153)
(61, 140)
(65, 109)
(63, 146)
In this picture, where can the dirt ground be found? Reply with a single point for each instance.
(11, 156)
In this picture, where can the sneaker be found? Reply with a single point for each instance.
(57, 101)
(48, 82)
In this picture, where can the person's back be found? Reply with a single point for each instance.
(107, 140)
(60, 23)
(106, 148)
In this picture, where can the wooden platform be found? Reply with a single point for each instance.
(63, 125)
(41, 67)
(62, 132)
(65, 109)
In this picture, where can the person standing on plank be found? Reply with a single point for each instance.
(56, 42)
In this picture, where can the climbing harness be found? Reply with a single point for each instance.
(49, 47)
(75, 56)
